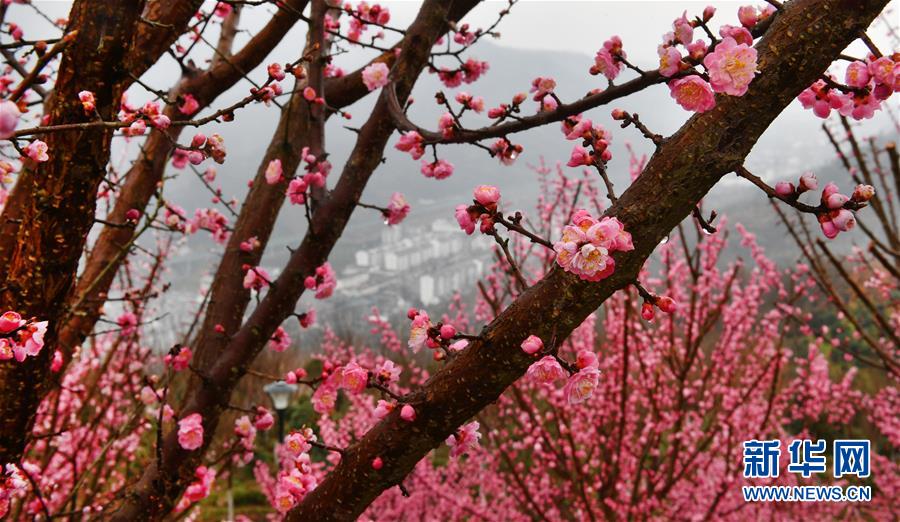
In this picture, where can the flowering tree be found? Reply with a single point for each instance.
(93, 420)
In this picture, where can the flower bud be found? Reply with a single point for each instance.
(808, 181)
(784, 189)
(863, 193)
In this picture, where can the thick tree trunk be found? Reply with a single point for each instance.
(160, 486)
(141, 181)
(796, 50)
(54, 201)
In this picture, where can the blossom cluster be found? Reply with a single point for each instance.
(362, 16)
(20, 338)
(593, 136)
(440, 337)
(323, 282)
(836, 210)
(199, 150)
(484, 208)
(296, 479)
(868, 84)
(316, 173)
(198, 489)
(397, 210)
(586, 246)
(468, 72)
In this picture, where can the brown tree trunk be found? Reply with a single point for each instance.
(161, 485)
(54, 201)
(796, 50)
(141, 181)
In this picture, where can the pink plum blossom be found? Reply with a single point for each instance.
(376, 75)
(693, 93)
(731, 67)
(464, 440)
(190, 432)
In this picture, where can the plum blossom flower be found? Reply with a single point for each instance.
(200, 488)
(387, 371)
(9, 118)
(411, 142)
(731, 67)
(296, 191)
(581, 385)
(383, 409)
(821, 99)
(857, 74)
(376, 76)
(323, 282)
(354, 378)
(465, 439)
(189, 105)
(546, 370)
(580, 157)
(693, 93)
(190, 432)
(585, 245)
(505, 151)
(280, 340)
(487, 196)
(418, 331)
(465, 219)
(408, 413)
(88, 101)
(439, 169)
(532, 345)
(605, 61)
(683, 30)
(274, 172)
(256, 278)
(298, 442)
(11, 321)
(669, 60)
(264, 420)
(179, 361)
(397, 210)
(37, 151)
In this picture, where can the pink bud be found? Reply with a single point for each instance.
(708, 13)
(829, 229)
(133, 214)
(666, 304)
(586, 359)
(844, 220)
(447, 331)
(863, 193)
(487, 195)
(377, 463)
(618, 114)
(532, 345)
(808, 181)
(830, 188)
(309, 282)
(198, 140)
(647, 312)
(407, 413)
(836, 201)
(784, 189)
(412, 313)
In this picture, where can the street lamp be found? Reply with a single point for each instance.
(280, 393)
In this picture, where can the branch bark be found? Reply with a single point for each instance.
(803, 40)
(53, 202)
(225, 363)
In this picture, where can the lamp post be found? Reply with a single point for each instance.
(280, 393)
